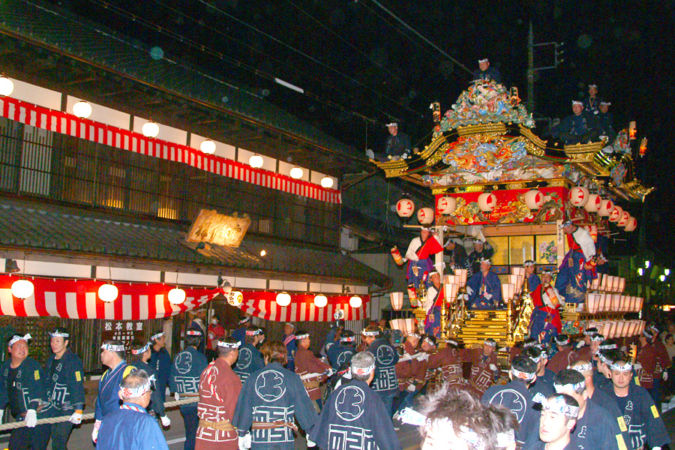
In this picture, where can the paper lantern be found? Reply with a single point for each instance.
(355, 301)
(534, 199)
(606, 206)
(593, 203)
(396, 299)
(296, 173)
(320, 300)
(425, 216)
(578, 196)
(256, 161)
(446, 205)
(327, 182)
(23, 289)
(176, 296)
(623, 221)
(487, 201)
(6, 86)
(405, 207)
(82, 109)
(283, 299)
(150, 129)
(631, 224)
(108, 292)
(615, 214)
(208, 147)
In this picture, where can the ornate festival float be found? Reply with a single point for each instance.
(533, 201)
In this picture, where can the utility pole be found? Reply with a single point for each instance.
(531, 69)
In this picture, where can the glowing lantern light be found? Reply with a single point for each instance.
(296, 173)
(487, 201)
(446, 205)
(283, 299)
(235, 298)
(320, 300)
(176, 296)
(534, 199)
(355, 301)
(6, 87)
(22, 289)
(82, 109)
(631, 225)
(405, 207)
(327, 182)
(150, 129)
(425, 216)
(396, 300)
(108, 292)
(578, 196)
(255, 161)
(606, 206)
(615, 214)
(623, 221)
(208, 147)
(593, 203)
(643, 147)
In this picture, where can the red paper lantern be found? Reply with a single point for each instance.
(578, 196)
(425, 216)
(534, 199)
(623, 221)
(487, 201)
(606, 206)
(615, 214)
(446, 205)
(593, 203)
(631, 225)
(405, 207)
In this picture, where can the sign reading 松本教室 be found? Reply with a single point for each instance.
(218, 229)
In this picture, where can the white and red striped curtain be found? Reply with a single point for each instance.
(302, 309)
(60, 122)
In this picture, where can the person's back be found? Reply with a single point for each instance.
(130, 428)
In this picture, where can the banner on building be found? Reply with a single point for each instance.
(263, 304)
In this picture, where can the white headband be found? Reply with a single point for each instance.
(370, 333)
(490, 343)
(604, 359)
(452, 342)
(625, 367)
(597, 338)
(302, 336)
(254, 332)
(563, 342)
(429, 341)
(62, 334)
(506, 438)
(581, 368)
(576, 387)
(193, 333)
(590, 332)
(156, 336)
(113, 347)
(347, 339)
(413, 334)
(527, 377)
(16, 338)
(233, 345)
(135, 392)
(558, 405)
(607, 347)
(362, 370)
(140, 351)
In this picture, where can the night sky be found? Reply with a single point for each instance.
(361, 69)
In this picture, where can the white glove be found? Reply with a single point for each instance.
(245, 441)
(94, 433)
(411, 388)
(31, 418)
(76, 418)
(405, 357)
(330, 372)
(310, 443)
(665, 376)
(166, 422)
(469, 290)
(488, 296)
(493, 367)
(176, 396)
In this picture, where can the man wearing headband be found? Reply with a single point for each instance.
(481, 250)
(484, 288)
(652, 364)
(291, 345)
(23, 388)
(250, 359)
(577, 269)
(578, 127)
(558, 419)
(433, 303)
(419, 255)
(545, 322)
(197, 318)
(240, 332)
(214, 332)
(445, 366)
(340, 354)
(219, 389)
(113, 357)
(354, 415)
(160, 360)
(385, 383)
(64, 377)
(605, 122)
(516, 397)
(311, 369)
(565, 355)
(596, 428)
(484, 370)
(543, 387)
(272, 399)
(186, 369)
(486, 72)
(398, 143)
(591, 103)
(583, 347)
(531, 275)
(646, 427)
(140, 358)
(410, 370)
(130, 426)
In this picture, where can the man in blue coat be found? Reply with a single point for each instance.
(250, 359)
(385, 383)
(23, 381)
(186, 369)
(141, 352)
(160, 360)
(108, 400)
(530, 274)
(354, 416)
(340, 354)
(130, 427)
(291, 344)
(484, 288)
(65, 387)
(239, 333)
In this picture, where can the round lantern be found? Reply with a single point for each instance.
(150, 129)
(593, 203)
(405, 207)
(327, 182)
(283, 299)
(578, 196)
(534, 199)
(82, 109)
(296, 173)
(208, 147)
(425, 216)
(606, 206)
(235, 298)
(623, 221)
(446, 205)
(176, 296)
(320, 300)
(487, 201)
(631, 225)
(6, 86)
(23, 289)
(615, 214)
(256, 161)
(108, 292)
(355, 301)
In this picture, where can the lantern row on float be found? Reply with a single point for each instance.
(608, 283)
(580, 197)
(453, 284)
(606, 302)
(613, 329)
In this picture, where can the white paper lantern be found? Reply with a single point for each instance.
(283, 299)
(82, 109)
(623, 221)
(296, 173)
(487, 201)
(6, 86)
(355, 301)
(593, 203)
(446, 205)
(150, 129)
(176, 296)
(578, 196)
(256, 161)
(208, 147)
(615, 214)
(22, 289)
(396, 299)
(235, 298)
(405, 207)
(631, 225)
(534, 199)
(320, 300)
(327, 182)
(425, 216)
(606, 206)
(108, 292)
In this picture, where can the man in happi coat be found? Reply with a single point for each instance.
(108, 400)
(22, 384)
(340, 354)
(311, 369)
(565, 355)
(481, 250)
(385, 383)
(484, 370)
(271, 401)
(289, 341)
(531, 275)
(589, 346)
(250, 359)
(447, 363)
(543, 386)
(354, 416)
(239, 333)
(419, 253)
(484, 288)
(410, 370)
(186, 369)
(64, 377)
(130, 427)
(140, 358)
(545, 322)
(160, 360)
(578, 265)
(433, 304)
(219, 389)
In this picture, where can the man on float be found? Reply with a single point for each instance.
(419, 253)
(398, 143)
(250, 359)
(481, 250)
(545, 322)
(531, 275)
(578, 265)
(22, 386)
(160, 360)
(577, 128)
(385, 383)
(433, 303)
(484, 288)
(486, 72)
(186, 369)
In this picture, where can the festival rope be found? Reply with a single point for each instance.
(85, 417)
